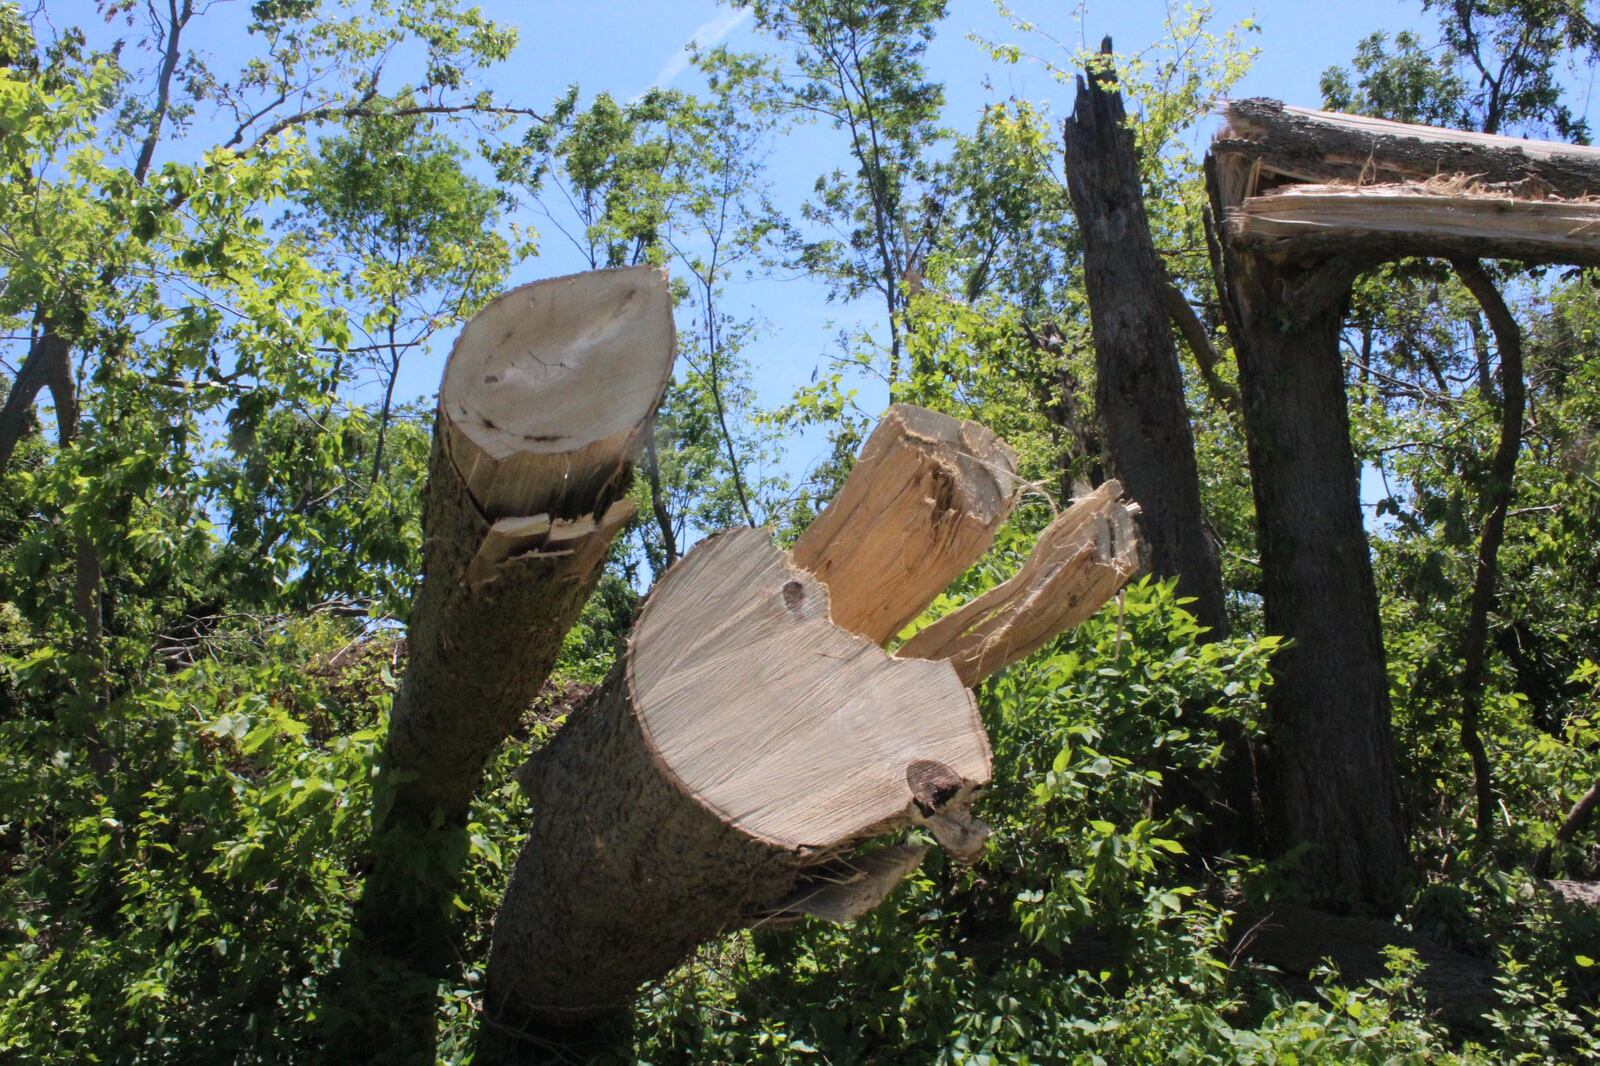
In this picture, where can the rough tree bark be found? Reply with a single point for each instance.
(753, 741)
(1139, 400)
(543, 400)
(1139, 382)
(1333, 777)
(1299, 218)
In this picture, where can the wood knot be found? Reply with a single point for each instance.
(794, 594)
(933, 784)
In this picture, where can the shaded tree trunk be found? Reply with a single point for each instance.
(1144, 419)
(1139, 392)
(1497, 495)
(1333, 779)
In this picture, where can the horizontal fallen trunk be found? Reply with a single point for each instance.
(1297, 940)
(1575, 820)
(1577, 893)
(1078, 563)
(544, 397)
(1384, 221)
(1284, 143)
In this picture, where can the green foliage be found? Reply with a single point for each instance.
(203, 541)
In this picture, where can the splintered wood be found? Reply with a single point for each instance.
(551, 383)
(1078, 563)
(721, 779)
(789, 728)
(1298, 219)
(1299, 184)
(922, 504)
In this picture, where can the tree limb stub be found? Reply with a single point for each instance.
(921, 505)
(1078, 563)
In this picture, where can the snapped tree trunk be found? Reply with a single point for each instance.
(1139, 392)
(543, 400)
(756, 740)
(1143, 416)
(1304, 201)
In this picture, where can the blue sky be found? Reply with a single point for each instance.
(625, 46)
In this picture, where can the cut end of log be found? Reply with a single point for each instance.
(777, 720)
(922, 504)
(549, 386)
(1078, 563)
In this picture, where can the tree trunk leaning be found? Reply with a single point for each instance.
(543, 400)
(743, 741)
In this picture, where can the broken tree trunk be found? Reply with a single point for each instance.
(1078, 563)
(1333, 775)
(543, 400)
(1139, 390)
(1306, 200)
(1139, 399)
(1296, 144)
(751, 744)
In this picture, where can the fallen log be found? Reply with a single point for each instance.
(1295, 941)
(1577, 893)
(1449, 219)
(543, 400)
(750, 746)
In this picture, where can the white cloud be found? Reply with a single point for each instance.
(708, 34)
